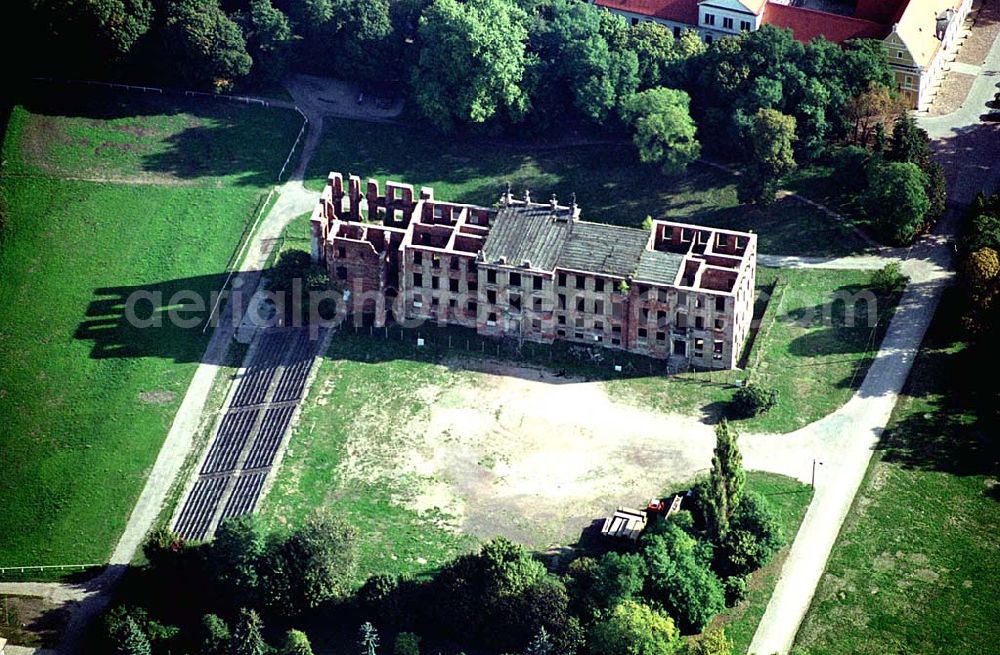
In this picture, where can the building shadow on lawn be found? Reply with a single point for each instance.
(462, 349)
(136, 321)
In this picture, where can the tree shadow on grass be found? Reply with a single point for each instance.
(246, 144)
(947, 416)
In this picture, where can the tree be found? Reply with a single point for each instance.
(634, 628)
(714, 642)
(472, 62)
(367, 639)
(407, 643)
(753, 399)
(981, 281)
(680, 579)
(771, 156)
(246, 638)
(540, 644)
(910, 143)
(357, 41)
(599, 585)
(661, 56)
(203, 45)
(313, 565)
(754, 536)
(214, 635)
(128, 638)
(896, 201)
(310, 16)
(268, 38)
(118, 24)
(721, 496)
(235, 558)
(664, 131)
(980, 272)
(296, 643)
(600, 76)
(850, 164)
(876, 105)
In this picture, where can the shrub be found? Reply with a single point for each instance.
(754, 536)
(753, 400)
(736, 587)
(711, 643)
(889, 278)
(849, 164)
(214, 635)
(296, 643)
(598, 585)
(633, 628)
(406, 643)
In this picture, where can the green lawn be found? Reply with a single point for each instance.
(393, 539)
(916, 567)
(805, 349)
(86, 398)
(789, 499)
(146, 138)
(610, 183)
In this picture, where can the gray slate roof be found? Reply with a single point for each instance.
(603, 248)
(537, 235)
(520, 235)
(658, 267)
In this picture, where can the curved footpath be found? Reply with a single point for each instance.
(844, 441)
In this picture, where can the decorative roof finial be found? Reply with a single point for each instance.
(527, 196)
(507, 195)
(572, 201)
(553, 202)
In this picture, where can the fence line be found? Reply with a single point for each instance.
(238, 258)
(150, 89)
(248, 237)
(302, 130)
(45, 567)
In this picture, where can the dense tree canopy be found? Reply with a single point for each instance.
(896, 201)
(268, 37)
(205, 46)
(680, 578)
(664, 131)
(634, 628)
(472, 62)
(313, 565)
(771, 155)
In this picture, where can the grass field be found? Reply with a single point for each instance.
(610, 183)
(805, 349)
(395, 539)
(147, 139)
(916, 567)
(86, 398)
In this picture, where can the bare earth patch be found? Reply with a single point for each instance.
(157, 397)
(32, 622)
(520, 452)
